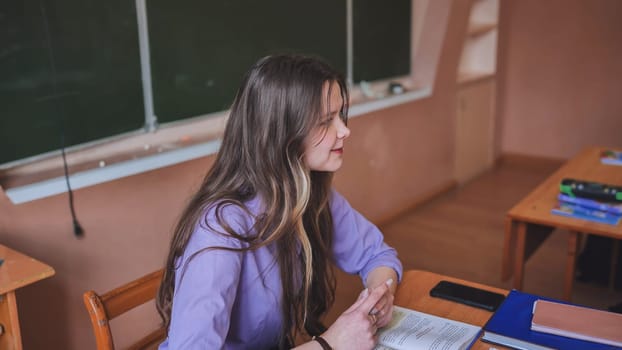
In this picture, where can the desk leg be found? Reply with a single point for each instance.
(519, 254)
(571, 260)
(614, 263)
(509, 246)
(11, 338)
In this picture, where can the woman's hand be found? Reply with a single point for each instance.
(383, 310)
(356, 327)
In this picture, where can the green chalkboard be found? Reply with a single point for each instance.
(70, 70)
(381, 39)
(200, 49)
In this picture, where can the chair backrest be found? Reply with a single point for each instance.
(103, 308)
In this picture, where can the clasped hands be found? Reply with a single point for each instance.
(357, 326)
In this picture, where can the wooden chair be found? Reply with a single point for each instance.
(103, 308)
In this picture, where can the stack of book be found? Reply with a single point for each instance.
(611, 157)
(527, 321)
(590, 201)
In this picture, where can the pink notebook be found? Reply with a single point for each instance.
(577, 322)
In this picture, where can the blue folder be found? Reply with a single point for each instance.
(512, 323)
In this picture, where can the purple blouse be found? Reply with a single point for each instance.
(231, 300)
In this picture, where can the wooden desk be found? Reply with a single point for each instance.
(413, 293)
(530, 221)
(18, 270)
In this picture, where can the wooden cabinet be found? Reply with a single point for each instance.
(474, 137)
(475, 93)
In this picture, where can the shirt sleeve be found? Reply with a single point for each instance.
(358, 244)
(206, 282)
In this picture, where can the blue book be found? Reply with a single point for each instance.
(579, 212)
(591, 204)
(511, 326)
(611, 157)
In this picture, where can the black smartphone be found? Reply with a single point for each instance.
(467, 295)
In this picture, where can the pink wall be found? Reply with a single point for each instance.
(560, 76)
(393, 158)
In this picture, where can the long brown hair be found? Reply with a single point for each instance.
(278, 104)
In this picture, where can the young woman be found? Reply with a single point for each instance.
(250, 262)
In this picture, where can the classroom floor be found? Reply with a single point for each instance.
(461, 234)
